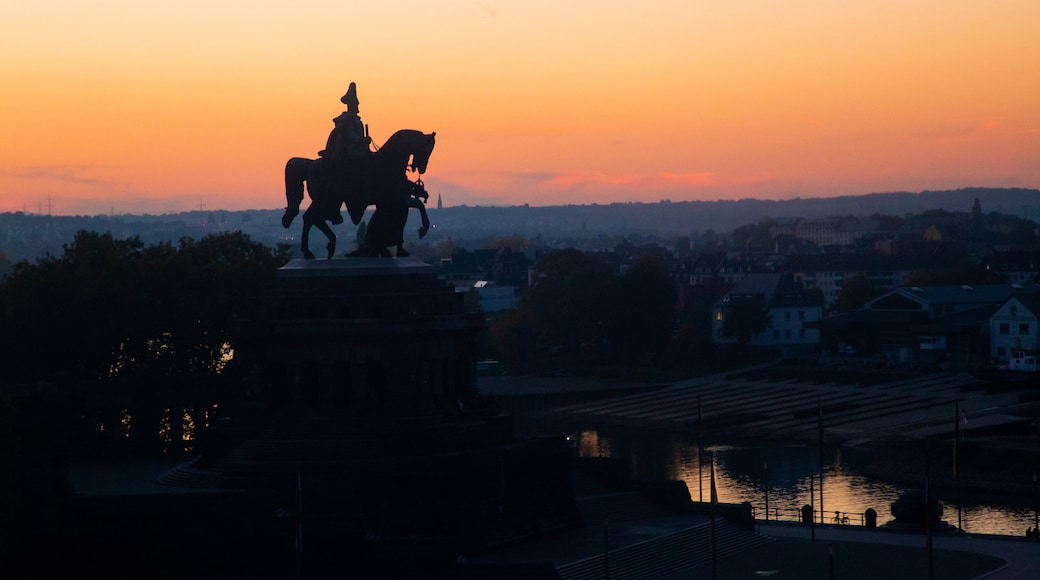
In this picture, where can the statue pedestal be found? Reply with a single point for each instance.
(364, 371)
(364, 339)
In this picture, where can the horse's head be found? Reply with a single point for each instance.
(421, 155)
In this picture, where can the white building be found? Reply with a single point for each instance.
(789, 305)
(1015, 326)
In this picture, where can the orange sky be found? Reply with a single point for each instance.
(140, 107)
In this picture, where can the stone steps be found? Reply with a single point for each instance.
(188, 476)
(665, 555)
(854, 408)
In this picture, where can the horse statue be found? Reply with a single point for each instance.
(380, 179)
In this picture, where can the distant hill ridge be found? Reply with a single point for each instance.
(682, 217)
(29, 236)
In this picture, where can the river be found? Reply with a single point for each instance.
(780, 474)
(777, 473)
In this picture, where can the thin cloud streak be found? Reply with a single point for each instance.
(62, 173)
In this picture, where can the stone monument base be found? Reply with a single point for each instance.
(366, 424)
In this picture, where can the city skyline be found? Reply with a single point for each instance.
(121, 107)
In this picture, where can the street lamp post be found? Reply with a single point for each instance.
(765, 468)
(1036, 510)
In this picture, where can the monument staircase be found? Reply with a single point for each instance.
(666, 555)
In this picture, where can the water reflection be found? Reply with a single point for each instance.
(782, 473)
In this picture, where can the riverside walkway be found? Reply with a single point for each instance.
(627, 536)
(863, 554)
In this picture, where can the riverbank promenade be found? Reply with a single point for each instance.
(626, 536)
(852, 553)
(860, 407)
(641, 539)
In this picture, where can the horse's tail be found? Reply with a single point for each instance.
(295, 176)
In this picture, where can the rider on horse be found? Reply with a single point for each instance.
(346, 150)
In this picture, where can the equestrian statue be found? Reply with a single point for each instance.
(347, 172)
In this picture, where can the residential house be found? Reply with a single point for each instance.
(834, 231)
(1015, 326)
(790, 308)
(829, 272)
(495, 298)
(929, 325)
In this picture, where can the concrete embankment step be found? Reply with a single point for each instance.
(186, 475)
(855, 407)
(665, 555)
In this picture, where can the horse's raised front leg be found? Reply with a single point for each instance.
(416, 203)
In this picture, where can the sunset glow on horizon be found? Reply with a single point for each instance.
(136, 107)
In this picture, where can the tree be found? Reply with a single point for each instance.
(694, 336)
(1023, 236)
(855, 292)
(754, 237)
(683, 247)
(109, 307)
(511, 337)
(5, 264)
(744, 317)
(958, 272)
(515, 243)
(567, 299)
(642, 313)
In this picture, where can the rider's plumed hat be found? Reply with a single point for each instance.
(350, 99)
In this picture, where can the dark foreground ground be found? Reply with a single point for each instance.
(797, 558)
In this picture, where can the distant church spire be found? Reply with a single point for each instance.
(439, 204)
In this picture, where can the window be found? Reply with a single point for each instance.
(718, 315)
(801, 333)
(787, 333)
(776, 334)
(1003, 328)
(1001, 351)
(1023, 328)
(801, 315)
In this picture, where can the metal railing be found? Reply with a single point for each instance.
(837, 518)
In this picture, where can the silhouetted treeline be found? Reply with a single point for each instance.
(578, 310)
(109, 307)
